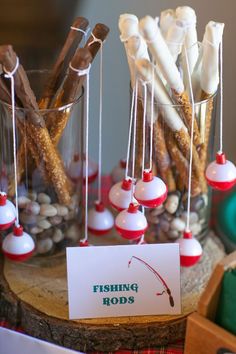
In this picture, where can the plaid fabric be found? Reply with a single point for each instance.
(7, 325)
(175, 348)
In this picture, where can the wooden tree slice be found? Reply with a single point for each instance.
(35, 298)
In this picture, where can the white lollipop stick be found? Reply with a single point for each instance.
(210, 58)
(160, 51)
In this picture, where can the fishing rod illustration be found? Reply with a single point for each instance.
(158, 277)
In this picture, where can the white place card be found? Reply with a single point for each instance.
(111, 281)
(12, 342)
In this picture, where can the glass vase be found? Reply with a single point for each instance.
(49, 171)
(171, 163)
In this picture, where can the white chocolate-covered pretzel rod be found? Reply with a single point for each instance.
(169, 113)
(172, 118)
(166, 64)
(137, 49)
(160, 51)
(135, 46)
(210, 57)
(209, 77)
(187, 15)
(167, 17)
(175, 38)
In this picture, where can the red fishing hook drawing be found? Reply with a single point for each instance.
(159, 278)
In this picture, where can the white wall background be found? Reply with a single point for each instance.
(116, 75)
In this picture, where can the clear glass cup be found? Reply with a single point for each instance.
(50, 216)
(169, 163)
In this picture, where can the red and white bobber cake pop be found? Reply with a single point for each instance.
(131, 223)
(120, 194)
(100, 220)
(7, 212)
(18, 245)
(118, 172)
(221, 173)
(75, 169)
(190, 250)
(150, 191)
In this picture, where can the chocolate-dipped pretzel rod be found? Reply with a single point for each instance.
(60, 67)
(81, 60)
(26, 141)
(71, 87)
(57, 75)
(73, 83)
(169, 70)
(5, 96)
(69, 91)
(99, 34)
(35, 126)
